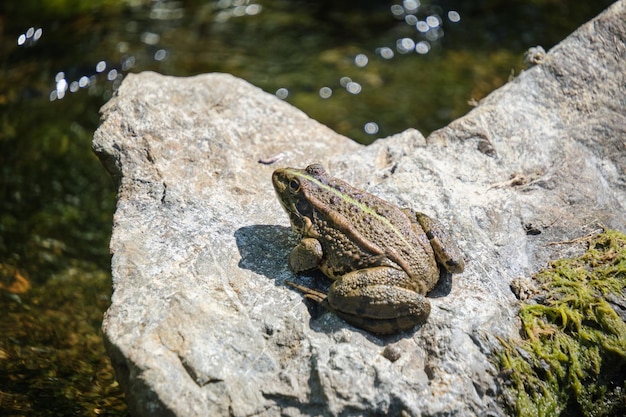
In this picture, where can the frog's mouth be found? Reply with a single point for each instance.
(280, 186)
(288, 205)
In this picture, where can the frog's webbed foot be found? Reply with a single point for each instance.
(310, 293)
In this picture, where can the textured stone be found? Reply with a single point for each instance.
(201, 322)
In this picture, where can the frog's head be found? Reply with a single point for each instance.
(295, 189)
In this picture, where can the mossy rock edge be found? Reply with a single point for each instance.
(571, 357)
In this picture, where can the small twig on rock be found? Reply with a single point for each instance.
(587, 237)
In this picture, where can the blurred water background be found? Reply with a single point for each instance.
(367, 69)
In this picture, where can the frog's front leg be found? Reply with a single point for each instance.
(306, 255)
(372, 300)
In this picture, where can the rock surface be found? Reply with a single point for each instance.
(201, 322)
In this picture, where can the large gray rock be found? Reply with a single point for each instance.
(201, 322)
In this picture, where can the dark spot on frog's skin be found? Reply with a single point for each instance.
(304, 208)
(452, 264)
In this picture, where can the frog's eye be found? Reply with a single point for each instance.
(294, 186)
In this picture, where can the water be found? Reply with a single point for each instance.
(366, 69)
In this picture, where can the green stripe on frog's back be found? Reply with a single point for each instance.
(363, 207)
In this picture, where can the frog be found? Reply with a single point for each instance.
(383, 260)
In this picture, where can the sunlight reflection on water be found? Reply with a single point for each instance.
(282, 93)
(30, 37)
(361, 60)
(146, 42)
(235, 8)
(371, 128)
(326, 92)
(427, 26)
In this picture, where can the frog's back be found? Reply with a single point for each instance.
(381, 231)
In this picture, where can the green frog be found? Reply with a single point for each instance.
(383, 259)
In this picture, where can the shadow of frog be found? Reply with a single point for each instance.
(265, 250)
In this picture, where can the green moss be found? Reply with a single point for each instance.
(572, 357)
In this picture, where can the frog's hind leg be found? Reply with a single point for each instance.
(378, 299)
(380, 326)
